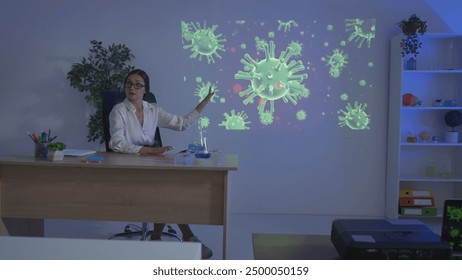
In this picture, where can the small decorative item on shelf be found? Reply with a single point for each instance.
(56, 151)
(450, 103)
(411, 64)
(424, 136)
(411, 100)
(411, 138)
(435, 139)
(429, 170)
(446, 175)
(452, 119)
(438, 103)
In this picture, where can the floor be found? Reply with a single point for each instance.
(239, 235)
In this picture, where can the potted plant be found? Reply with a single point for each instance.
(412, 28)
(453, 119)
(103, 70)
(410, 43)
(56, 151)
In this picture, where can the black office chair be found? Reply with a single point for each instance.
(109, 99)
(112, 98)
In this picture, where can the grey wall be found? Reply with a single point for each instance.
(318, 168)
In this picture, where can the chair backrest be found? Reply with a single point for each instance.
(109, 99)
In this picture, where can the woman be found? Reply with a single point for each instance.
(133, 126)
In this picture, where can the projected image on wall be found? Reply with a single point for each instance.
(291, 73)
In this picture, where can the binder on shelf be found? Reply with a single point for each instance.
(418, 211)
(412, 201)
(415, 193)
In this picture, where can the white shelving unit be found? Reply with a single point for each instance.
(438, 75)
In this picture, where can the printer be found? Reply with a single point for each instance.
(363, 239)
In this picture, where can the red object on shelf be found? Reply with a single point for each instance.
(409, 99)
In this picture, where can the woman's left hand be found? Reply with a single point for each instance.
(204, 101)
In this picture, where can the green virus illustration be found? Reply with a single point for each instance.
(235, 121)
(266, 118)
(354, 117)
(203, 89)
(359, 32)
(455, 213)
(286, 26)
(202, 41)
(203, 122)
(337, 61)
(296, 48)
(301, 115)
(273, 78)
(344, 97)
(260, 44)
(454, 232)
(362, 83)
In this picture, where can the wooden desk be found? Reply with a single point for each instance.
(169, 189)
(293, 247)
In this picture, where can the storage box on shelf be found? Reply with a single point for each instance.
(419, 158)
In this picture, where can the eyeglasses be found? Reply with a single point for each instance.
(128, 85)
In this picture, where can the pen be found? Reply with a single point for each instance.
(43, 137)
(30, 136)
(49, 135)
(35, 137)
(53, 138)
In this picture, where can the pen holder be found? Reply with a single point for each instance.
(40, 150)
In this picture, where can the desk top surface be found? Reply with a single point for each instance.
(216, 162)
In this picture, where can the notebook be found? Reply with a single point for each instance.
(451, 229)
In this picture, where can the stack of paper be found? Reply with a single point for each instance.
(77, 153)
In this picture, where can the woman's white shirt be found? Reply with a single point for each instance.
(129, 136)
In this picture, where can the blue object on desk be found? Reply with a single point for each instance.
(202, 155)
(194, 148)
(94, 159)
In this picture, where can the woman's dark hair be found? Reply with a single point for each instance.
(143, 75)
